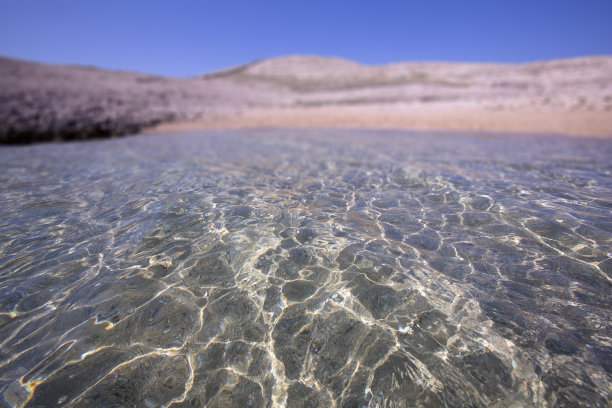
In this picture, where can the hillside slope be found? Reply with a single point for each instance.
(45, 102)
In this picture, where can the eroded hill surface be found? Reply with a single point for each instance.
(41, 102)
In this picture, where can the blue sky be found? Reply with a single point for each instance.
(187, 37)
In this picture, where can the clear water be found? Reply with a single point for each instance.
(307, 269)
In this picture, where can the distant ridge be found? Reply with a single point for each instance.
(231, 71)
(40, 102)
(289, 64)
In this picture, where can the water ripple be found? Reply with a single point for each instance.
(305, 269)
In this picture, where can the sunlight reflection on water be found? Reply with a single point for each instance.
(307, 268)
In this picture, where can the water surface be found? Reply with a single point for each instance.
(307, 269)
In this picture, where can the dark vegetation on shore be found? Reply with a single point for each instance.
(41, 102)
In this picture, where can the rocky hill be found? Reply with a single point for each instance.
(41, 102)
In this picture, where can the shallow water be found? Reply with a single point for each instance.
(305, 269)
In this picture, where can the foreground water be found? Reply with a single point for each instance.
(307, 269)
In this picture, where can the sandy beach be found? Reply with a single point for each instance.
(448, 118)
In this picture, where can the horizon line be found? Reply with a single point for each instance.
(298, 55)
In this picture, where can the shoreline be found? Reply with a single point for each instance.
(51, 103)
(456, 118)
